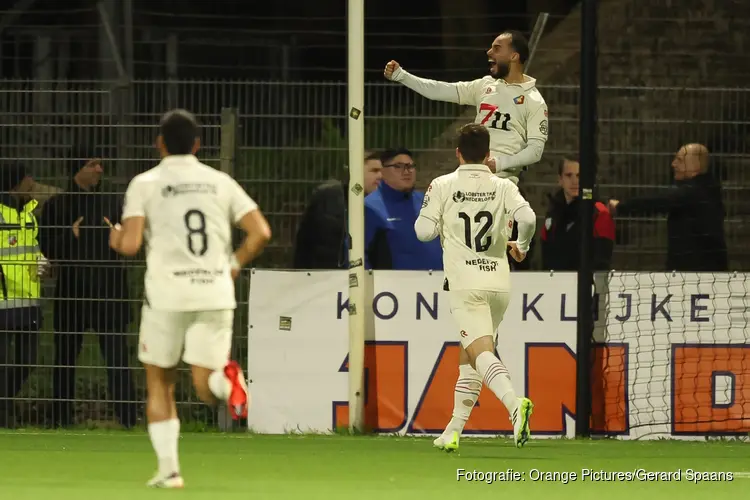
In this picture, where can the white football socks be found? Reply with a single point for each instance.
(165, 436)
(220, 385)
(496, 377)
(465, 395)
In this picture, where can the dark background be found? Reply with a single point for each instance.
(247, 39)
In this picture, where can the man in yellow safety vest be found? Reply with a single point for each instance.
(21, 267)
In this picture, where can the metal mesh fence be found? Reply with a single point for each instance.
(291, 137)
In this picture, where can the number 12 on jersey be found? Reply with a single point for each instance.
(498, 116)
(479, 243)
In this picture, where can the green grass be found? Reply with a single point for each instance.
(115, 465)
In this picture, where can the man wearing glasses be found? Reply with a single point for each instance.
(390, 214)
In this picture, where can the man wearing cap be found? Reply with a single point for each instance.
(91, 291)
(21, 266)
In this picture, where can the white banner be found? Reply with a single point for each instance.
(670, 356)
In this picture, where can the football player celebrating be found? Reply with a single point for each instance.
(469, 209)
(507, 102)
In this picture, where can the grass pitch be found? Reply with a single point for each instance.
(116, 465)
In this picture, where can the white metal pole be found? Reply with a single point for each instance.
(356, 213)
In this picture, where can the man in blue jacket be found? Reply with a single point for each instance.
(390, 214)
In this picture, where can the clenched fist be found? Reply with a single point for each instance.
(391, 68)
(517, 254)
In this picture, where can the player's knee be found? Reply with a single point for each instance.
(477, 347)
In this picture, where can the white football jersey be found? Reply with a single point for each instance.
(473, 209)
(513, 113)
(190, 209)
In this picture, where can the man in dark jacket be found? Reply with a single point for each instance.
(390, 213)
(322, 238)
(561, 235)
(695, 214)
(91, 291)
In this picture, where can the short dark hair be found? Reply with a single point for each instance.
(372, 155)
(570, 157)
(390, 154)
(473, 142)
(179, 131)
(520, 44)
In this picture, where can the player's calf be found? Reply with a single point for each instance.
(163, 424)
(227, 385)
(495, 375)
(465, 395)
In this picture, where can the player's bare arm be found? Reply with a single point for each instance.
(126, 239)
(258, 234)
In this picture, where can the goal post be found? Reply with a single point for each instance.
(356, 212)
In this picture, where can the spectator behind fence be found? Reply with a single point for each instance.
(91, 291)
(695, 214)
(390, 214)
(322, 238)
(22, 268)
(561, 235)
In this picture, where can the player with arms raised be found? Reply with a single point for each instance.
(471, 210)
(185, 211)
(507, 101)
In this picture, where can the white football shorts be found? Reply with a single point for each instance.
(201, 338)
(477, 313)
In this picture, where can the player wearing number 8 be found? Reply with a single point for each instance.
(185, 210)
(473, 212)
(507, 103)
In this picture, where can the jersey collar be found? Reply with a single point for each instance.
(175, 159)
(528, 83)
(474, 167)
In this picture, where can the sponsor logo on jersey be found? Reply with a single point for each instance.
(485, 265)
(426, 200)
(543, 127)
(519, 99)
(488, 90)
(178, 189)
(479, 196)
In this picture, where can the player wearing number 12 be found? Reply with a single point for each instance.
(507, 102)
(185, 211)
(473, 212)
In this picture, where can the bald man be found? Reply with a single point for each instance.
(695, 214)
